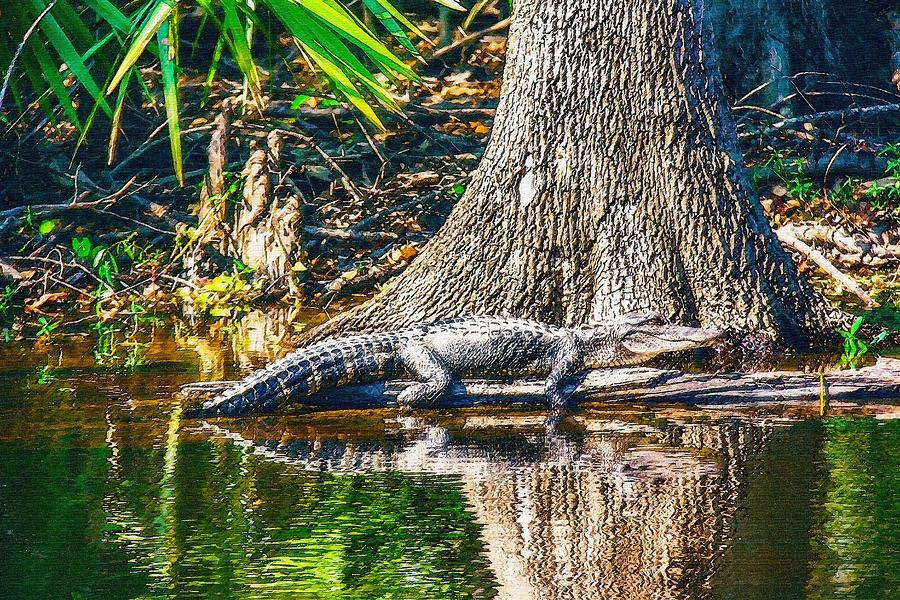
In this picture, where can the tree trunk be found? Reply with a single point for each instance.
(612, 182)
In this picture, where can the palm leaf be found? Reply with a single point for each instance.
(237, 34)
(69, 55)
(110, 15)
(158, 15)
(170, 92)
(477, 8)
(116, 127)
(452, 4)
(341, 83)
(51, 74)
(391, 23)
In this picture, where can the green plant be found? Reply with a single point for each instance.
(6, 301)
(854, 347)
(99, 44)
(44, 375)
(100, 257)
(842, 194)
(801, 188)
(112, 337)
(47, 327)
(792, 174)
(892, 151)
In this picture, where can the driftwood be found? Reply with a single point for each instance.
(880, 382)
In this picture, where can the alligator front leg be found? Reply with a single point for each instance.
(433, 375)
(553, 385)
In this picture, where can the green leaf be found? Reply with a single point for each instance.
(240, 49)
(46, 227)
(336, 18)
(389, 7)
(213, 67)
(327, 42)
(110, 14)
(390, 23)
(856, 325)
(98, 256)
(170, 92)
(299, 100)
(452, 4)
(116, 126)
(50, 71)
(342, 83)
(476, 8)
(159, 14)
(82, 247)
(67, 52)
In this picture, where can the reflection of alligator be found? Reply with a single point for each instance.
(437, 354)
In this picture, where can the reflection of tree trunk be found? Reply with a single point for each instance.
(254, 341)
(612, 182)
(567, 531)
(614, 517)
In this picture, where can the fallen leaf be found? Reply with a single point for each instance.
(51, 297)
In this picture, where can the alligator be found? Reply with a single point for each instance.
(438, 354)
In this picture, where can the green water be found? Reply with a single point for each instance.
(107, 491)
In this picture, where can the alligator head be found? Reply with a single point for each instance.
(636, 337)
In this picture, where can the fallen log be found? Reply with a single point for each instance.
(877, 383)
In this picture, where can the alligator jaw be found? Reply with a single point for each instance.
(649, 340)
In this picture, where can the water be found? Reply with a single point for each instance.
(107, 491)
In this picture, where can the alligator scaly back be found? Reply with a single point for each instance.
(328, 364)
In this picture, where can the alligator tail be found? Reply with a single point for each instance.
(322, 366)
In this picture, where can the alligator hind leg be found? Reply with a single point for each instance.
(433, 375)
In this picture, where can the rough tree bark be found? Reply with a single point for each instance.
(612, 182)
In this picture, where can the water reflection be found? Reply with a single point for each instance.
(857, 539)
(623, 511)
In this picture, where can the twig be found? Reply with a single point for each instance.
(177, 279)
(7, 270)
(842, 114)
(76, 265)
(472, 37)
(12, 63)
(830, 163)
(345, 179)
(148, 144)
(49, 209)
(380, 216)
(374, 147)
(348, 234)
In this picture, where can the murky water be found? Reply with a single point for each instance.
(107, 491)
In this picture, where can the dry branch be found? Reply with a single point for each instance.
(787, 236)
(472, 37)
